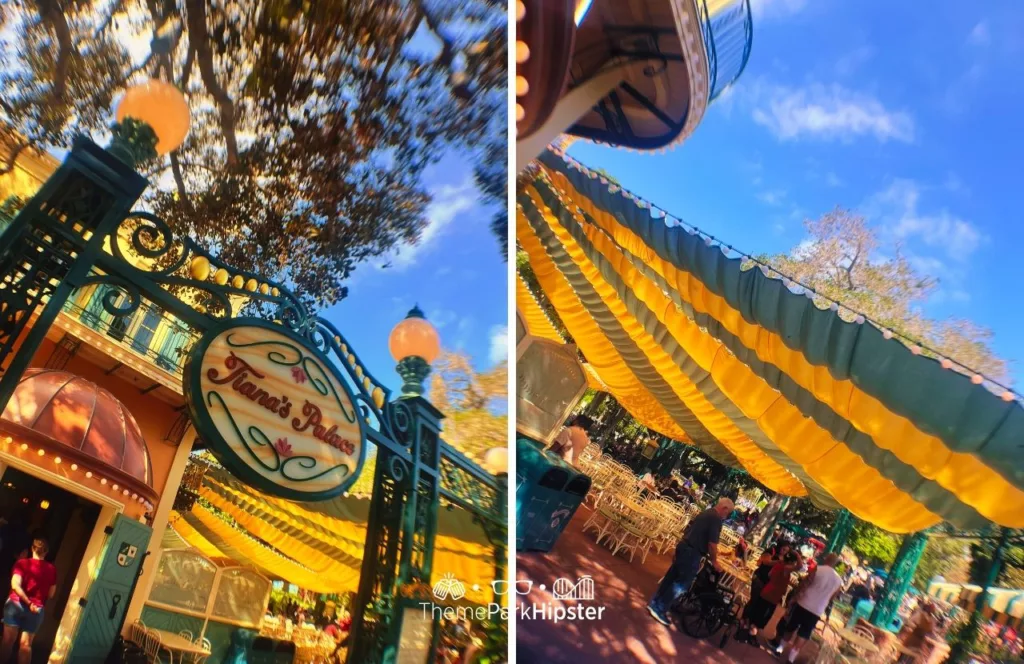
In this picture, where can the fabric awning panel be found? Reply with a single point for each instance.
(809, 403)
(314, 550)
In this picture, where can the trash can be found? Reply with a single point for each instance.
(548, 493)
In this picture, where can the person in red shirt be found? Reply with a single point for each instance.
(33, 584)
(338, 630)
(763, 607)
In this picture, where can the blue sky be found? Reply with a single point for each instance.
(907, 112)
(456, 273)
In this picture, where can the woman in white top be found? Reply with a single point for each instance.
(572, 439)
(813, 597)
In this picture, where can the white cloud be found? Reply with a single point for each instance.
(441, 317)
(772, 197)
(776, 8)
(980, 35)
(898, 207)
(829, 113)
(832, 180)
(449, 201)
(499, 344)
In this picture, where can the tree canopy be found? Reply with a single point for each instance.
(847, 260)
(312, 122)
(474, 403)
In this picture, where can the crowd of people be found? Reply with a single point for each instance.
(777, 587)
(334, 622)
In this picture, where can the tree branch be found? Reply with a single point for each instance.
(200, 39)
(13, 157)
(51, 12)
(186, 70)
(179, 181)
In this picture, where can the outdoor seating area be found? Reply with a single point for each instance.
(182, 647)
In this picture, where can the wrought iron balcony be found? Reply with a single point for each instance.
(149, 331)
(728, 33)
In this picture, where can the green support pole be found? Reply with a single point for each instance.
(964, 645)
(401, 530)
(993, 572)
(51, 246)
(500, 551)
(900, 576)
(840, 532)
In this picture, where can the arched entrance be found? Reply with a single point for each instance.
(77, 232)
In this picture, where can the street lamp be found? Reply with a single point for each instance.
(496, 460)
(414, 344)
(161, 106)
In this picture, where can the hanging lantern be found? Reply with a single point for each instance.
(163, 107)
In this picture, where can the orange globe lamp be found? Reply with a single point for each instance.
(496, 460)
(414, 344)
(160, 105)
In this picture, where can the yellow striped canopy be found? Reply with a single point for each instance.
(811, 403)
(318, 546)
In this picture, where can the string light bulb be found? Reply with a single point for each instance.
(88, 474)
(103, 481)
(24, 446)
(74, 466)
(977, 379)
(57, 460)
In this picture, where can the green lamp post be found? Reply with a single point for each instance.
(414, 345)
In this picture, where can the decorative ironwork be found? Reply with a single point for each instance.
(51, 245)
(179, 427)
(373, 611)
(144, 329)
(66, 349)
(463, 483)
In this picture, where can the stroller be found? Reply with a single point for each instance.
(707, 607)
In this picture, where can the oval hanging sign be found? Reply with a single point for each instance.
(274, 412)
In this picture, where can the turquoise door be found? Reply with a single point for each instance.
(110, 592)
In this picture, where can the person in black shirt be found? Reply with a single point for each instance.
(700, 539)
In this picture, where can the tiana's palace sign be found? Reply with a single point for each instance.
(274, 411)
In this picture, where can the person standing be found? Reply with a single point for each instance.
(571, 440)
(761, 609)
(813, 597)
(920, 626)
(33, 584)
(700, 540)
(338, 629)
